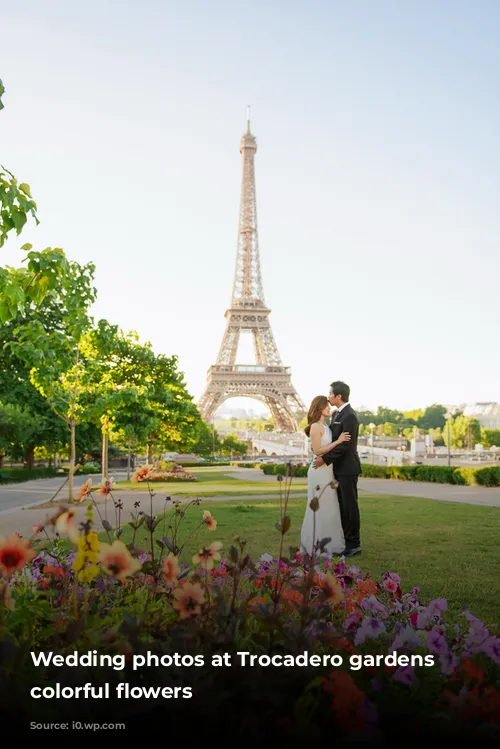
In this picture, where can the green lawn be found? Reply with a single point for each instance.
(449, 550)
(213, 482)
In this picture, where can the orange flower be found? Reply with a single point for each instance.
(348, 699)
(142, 473)
(170, 570)
(292, 594)
(208, 555)
(209, 520)
(255, 602)
(107, 486)
(38, 528)
(117, 560)
(473, 671)
(367, 587)
(15, 552)
(66, 527)
(84, 490)
(49, 569)
(189, 599)
(331, 589)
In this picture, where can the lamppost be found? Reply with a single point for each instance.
(448, 420)
(372, 427)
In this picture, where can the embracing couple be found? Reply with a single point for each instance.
(335, 462)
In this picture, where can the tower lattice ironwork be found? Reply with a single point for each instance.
(267, 380)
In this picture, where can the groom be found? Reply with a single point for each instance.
(346, 464)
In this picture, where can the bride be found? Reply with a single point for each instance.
(326, 521)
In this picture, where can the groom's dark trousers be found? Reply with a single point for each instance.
(346, 469)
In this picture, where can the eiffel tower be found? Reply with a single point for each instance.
(268, 380)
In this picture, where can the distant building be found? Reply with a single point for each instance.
(488, 414)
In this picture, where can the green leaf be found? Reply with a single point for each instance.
(26, 189)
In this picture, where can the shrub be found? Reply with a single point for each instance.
(377, 472)
(488, 476)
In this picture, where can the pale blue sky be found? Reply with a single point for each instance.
(378, 177)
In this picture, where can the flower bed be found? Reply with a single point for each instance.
(132, 600)
(151, 473)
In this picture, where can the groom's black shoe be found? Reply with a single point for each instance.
(352, 552)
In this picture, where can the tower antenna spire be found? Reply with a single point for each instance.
(248, 117)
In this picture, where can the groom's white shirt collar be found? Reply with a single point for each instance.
(341, 407)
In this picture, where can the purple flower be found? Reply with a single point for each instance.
(373, 606)
(405, 675)
(436, 641)
(433, 610)
(376, 685)
(369, 629)
(492, 648)
(405, 638)
(415, 591)
(449, 662)
(352, 621)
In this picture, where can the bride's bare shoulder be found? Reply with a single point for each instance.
(317, 427)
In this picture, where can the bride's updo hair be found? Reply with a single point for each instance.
(315, 410)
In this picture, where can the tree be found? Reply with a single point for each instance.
(231, 445)
(465, 432)
(490, 437)
(208, 442)
(53, 354)
(433, 418)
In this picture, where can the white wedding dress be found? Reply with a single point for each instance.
(326, 521)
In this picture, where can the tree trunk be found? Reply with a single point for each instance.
(105, 446)
(150, 453)
(2, 456)
(29, 457)
(128, 462)
(72, 427)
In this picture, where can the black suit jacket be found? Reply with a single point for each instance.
(344, 457)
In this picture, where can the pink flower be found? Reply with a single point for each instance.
(390, 585)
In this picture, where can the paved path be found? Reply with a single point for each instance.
(473, 495)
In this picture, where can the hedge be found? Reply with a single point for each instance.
(488, 476)
(83, 470)
(247, 465)
(17, 475)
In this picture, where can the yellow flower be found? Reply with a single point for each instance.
(189, 599)
(170, 569)
(208, 555)
(209, 520)
(87, 557)
(117, 560)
